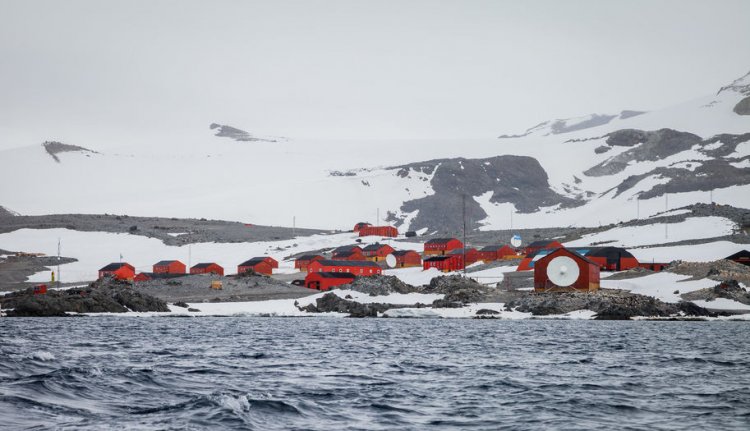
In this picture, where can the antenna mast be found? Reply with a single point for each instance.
(58, 262)
(463, 217)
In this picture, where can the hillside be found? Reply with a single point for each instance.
(627, 167)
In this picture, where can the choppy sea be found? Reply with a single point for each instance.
(95, 373)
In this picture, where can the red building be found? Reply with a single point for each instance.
(261, 265)
(377, 252)
(354, 254)
(207, 268)
(119, 271)
(327, 280)
(496, 252)
(540, 245)
(587, 272)
(611, 258)
(472, 255)
(360, 225)
(345, 248)
(742, 257)
(441, 246)
(444, 263)
(303, 261)
(388, 231)
(407, 258)
(169, 267)
(363, 268)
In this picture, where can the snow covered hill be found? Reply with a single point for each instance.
(608, 171)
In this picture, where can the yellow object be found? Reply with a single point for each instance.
(53, 276)
(217, 285)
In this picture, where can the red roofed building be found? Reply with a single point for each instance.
(388, 231)
(407, 258)
(377, 252)
(540, 245)
(261, 265)
(472, 255)
(355, 254)
(360, 225)
(207, 268)
(587, 272)
(496, 252)
(119, 271)
(441, 246)
(169, 267)
(444, 263)
(327, 280)
(362, 268)
(303, 261)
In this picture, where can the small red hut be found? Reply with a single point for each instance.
(472, 255)
(573, 271)
(407, 258)
(120, 271)
(304, 261)
(444, 263)
(377, 252)
(354, 255)
(742, 256)
(362, 268)
(612, 258)
(388, 231)
(327, 280)
(169, 267)
(207, 268)
(496, 252)
(441, 246)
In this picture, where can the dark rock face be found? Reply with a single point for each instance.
(381, 285)
(743, 107)
(654, 146)
(729, 289)
(457, 289)
(519, 180)
(108, 299)
(238, 135)
(607, 305)
(54, 148)
(330, 302)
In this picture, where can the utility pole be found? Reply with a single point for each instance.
(294, 226)
(378, 218)
(463, 217)
(511, 219)
(638, 208)
(58, 262)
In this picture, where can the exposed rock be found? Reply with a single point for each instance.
(486, 311)
(330, 302)
(381, 285)
(743, 106)
(92, 299)
(54, 148)
(457, 289)
(193, 310)
(719, 270)
(181, 304)
(239, 135)
(614, 305)
(729, 289)
(444, 303)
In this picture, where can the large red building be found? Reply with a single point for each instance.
(303, 261)
(441, 246)
(207, 268)
(496, 252)
(169, 267)
(362, 268)
(587, 272)
(407, 258)
(119, 271)
(327, 280)
(472, 255)
(445, 263)
(388, 231)
(377, 252)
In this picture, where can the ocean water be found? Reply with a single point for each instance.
(97, 373)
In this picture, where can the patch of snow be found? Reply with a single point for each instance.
(661, 285)
(690, 253)
(723, 304)
(741, 164)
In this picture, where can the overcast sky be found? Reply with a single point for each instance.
(367, 69)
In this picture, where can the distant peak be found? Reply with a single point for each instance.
(566, 125)
(239, 135)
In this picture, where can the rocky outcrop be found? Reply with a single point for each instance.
(224, 131)
(743, 107)
(377, 285)
(519, 180)
(54, 148)
(613, 305)
(719, 270)
(92, 299)
(457, 289)
(729, 289)
(332, 303)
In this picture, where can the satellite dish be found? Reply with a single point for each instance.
(390, 260)
(515, 241)
(562, 271)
